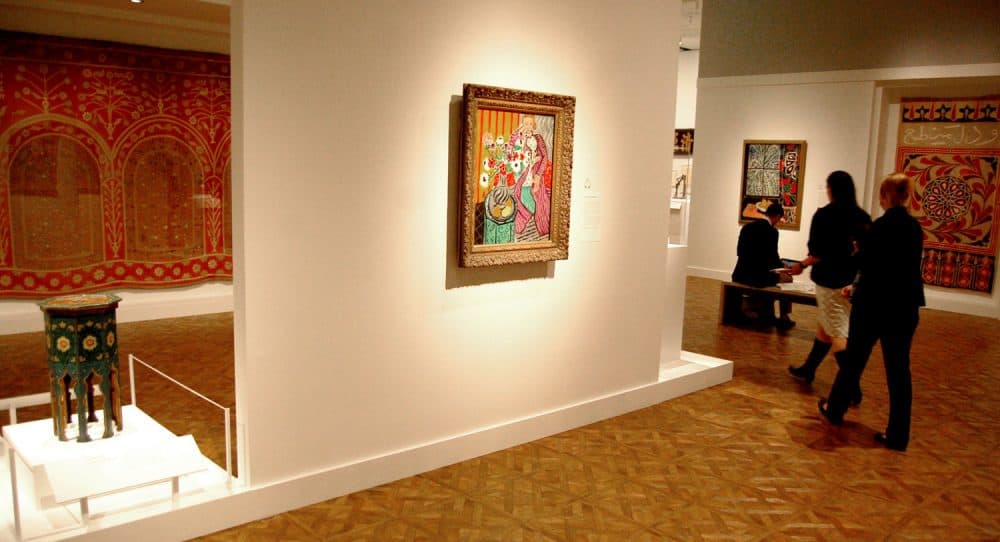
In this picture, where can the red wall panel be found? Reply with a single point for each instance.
(114, 167)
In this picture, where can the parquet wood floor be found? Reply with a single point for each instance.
(747, 460)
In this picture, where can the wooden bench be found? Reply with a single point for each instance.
(731, 299)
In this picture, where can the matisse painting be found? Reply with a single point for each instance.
(517, 164)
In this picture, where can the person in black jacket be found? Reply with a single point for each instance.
(833, 235)
(757, 260)
(886, 302)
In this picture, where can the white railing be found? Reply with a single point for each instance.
(225, 410)
(11, 404)
(24, 401)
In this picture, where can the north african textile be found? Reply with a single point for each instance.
(950, 149)
(114, 167)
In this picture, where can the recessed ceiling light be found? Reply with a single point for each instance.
(136, 1)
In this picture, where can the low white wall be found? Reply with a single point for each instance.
(209, 298)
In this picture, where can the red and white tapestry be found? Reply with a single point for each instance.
(950, 149)
(114, 167)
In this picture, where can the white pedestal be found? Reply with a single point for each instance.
(49, 476)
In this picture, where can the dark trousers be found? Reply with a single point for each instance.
(763, 306)
(894, 329)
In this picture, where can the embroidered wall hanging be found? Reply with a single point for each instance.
(950, 149)
(114, 167)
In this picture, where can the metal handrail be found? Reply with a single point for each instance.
(22, 401)
(225, 410)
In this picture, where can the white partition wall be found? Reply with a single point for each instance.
(832, 118)
(357, 334)
(363, 352)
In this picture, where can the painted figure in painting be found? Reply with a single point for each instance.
(834, 234)
(534, 186)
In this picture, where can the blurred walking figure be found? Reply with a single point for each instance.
(833, 237)
(886, 304)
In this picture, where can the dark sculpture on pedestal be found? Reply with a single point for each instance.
(80, 332)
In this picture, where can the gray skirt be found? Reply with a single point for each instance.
(834, 311)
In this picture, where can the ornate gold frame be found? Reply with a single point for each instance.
(517, 101)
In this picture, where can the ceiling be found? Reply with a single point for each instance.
(217, 12)
(203, 11)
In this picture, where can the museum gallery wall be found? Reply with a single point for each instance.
(114, 166)
(950, 149)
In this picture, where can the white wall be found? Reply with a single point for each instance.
(687, 88)
(823, 81)
(833, 119)
(356, 333)
(848, 122)
(687, 94)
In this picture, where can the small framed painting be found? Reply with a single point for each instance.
(683, 141)
(517, 167)
(773, 172)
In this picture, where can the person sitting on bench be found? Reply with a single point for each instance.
(756, 265)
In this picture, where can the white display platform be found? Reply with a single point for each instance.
(111, 480)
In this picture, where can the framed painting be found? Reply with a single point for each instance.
(517, 166)
(683, 141)
(773, 172)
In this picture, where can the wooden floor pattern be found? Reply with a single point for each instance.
(747, 460)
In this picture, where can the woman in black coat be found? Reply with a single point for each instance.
(886, 300)
(834, 231)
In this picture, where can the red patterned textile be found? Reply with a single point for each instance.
(950, 149)
(114, 167)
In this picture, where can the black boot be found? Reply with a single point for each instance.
(855, 394)
(807, 371)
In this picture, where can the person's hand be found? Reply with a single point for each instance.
(795, 269)
(784, 277)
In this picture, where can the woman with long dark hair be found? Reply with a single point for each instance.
(833, 236)
(886, 304)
